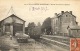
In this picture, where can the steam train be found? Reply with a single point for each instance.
(35, 36)
(35, 32)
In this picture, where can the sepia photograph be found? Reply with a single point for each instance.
(39, 25)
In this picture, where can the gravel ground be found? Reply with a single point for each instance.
(32, 45)
(6, 43)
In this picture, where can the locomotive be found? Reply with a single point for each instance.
(35, 32)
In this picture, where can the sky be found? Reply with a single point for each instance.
(38, 10)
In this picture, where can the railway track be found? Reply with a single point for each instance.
(40, 45)
(52, 43)
(34, 45)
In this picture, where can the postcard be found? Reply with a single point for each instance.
(39, 25)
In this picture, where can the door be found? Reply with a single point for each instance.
(7, 28)
(17, 28)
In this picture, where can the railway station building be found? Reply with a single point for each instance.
(12, 24)
(61, 21)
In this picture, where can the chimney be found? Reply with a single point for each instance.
(62, 12)
(70, 12)
(56, 14)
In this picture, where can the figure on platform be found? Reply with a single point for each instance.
(10, 37)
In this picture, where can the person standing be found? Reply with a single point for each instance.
(10, 36)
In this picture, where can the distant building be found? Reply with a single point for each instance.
(75, 31)
(12, 24)
(61, 21)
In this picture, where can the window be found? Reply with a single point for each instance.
(77, 30)
(66, 15)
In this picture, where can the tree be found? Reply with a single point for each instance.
(46, 26)
(39, 24)
(38, 28)
(33, 30)
(31, 27)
